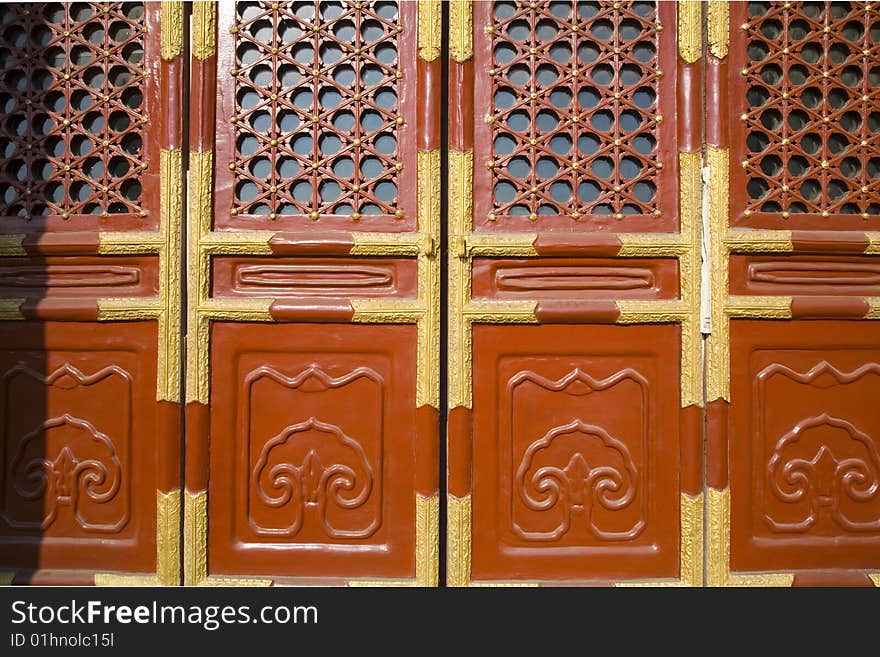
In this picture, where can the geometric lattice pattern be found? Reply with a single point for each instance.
(812, 121)
(574, 111)
(316, 121)
(71, 97)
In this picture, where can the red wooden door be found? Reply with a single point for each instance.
(313, 327)
(89, 274)
(793, 361)
(575, 379)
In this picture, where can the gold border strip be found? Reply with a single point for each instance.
(195, 537)
(400, 244)
(168, 537)
(768, 307)
(170, 211)
(653, 312)
(428, 210)
(132, 243)
(387, 311)
(130, 308)
(873, 307)
(514, 245)
(500, 312)
(429, 29)
(204, 30)
(873, 243)
(690, 30)
(11, 244)
(718, 548)
(458, 540)
(717, 343)
(254, 242)
(756, 241)
(461, 28)
(718, 27)
(10, 309)
(171, 29)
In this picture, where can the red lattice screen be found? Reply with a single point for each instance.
(810, 112)
(72, 109)
(574, 109)
(316, 115)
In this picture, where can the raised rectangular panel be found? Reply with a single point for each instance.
(804, 275)
(79, 276)
(312, 450)
(79, 470)
(575, 278)
(804, 457)
(576, 452)
(325, 277)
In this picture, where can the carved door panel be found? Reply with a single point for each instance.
(793, 370)
(89, 372)
(313, 328)
(575, 380)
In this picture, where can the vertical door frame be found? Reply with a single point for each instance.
(464, 245)
(203, 243)
(725, 240)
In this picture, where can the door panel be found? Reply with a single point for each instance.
(574, 444)
(89, 276)
(793, 476)
(312, 422)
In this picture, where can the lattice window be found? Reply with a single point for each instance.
(316, 124)
(574, 110)
(71, 108)
(812, 116)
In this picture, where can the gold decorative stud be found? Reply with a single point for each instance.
(490, 29)
(398, 214)
(356, 187)
(356, 215)
(785, 215)
(233, 212)
(747, 213)
(618, 215)
(356, 141)
(398, 166)
(491, 216)
(273, 216)
(824, 213)
(314, 216)
(824, 164)
(534, 190)
(575, 215)
(533, 216)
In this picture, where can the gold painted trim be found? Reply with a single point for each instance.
(386, 311)
(428, 362)
(195, 537)
(6, 577)
(645, 245)
(461, 29)
(500, 312)
(125, 579)
(236, 310)
(873, 243)
(718, 548)
(717, 345)
(460, 211)
(201, 167)
(222, 580)
(254, 242)
(652, 312)
(514, 245)
(690, 42)
(759, 307)
(690, 274)
(691, 540)
(132, 243)
(10, 309)
(875, 577)
(758, 241)
(427, 540)
(128, 309)
(718, 27)
(458, 541)
(170, 210)
(399, 244)
(204, 29)
(429, 29)
(873, 307)
(171, 29)
(11, 244)
(168, 538)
